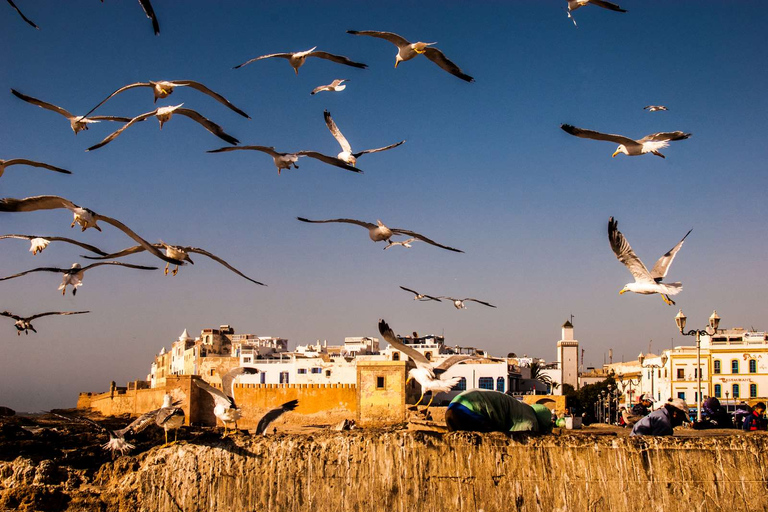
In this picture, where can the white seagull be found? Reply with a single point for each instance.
(420, 296)
(74, 275)
(85, 217)
(296, 59)
(655, 108)
(164, 115)
(404, 243)
(646, 283)
(378, 232)
(164, 88)
(261, 428)
(426, 373)
(459, 303)
(346, 150)
(39, 243)
(25, 323)
(407, 50)
(31, 163)
(22, 15)
(334, 86)
(648, 144)
(576, 4)
(288, 160)
(225, 408)
(77, 123)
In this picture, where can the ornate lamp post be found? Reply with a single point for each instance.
(714, 321)
(653, 367)
(624, 386)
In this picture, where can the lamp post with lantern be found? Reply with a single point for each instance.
(714, 322)
(653, 367)
(628, 384)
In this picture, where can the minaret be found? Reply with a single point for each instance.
(568, 358)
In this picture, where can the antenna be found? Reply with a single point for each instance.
(650, 343)
(572, 318)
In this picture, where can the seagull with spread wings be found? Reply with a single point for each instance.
(576, 4)
(39, 243)
(334, 86)
(77, 123)
(74, 275)
(25, 323)
(403, 243)
(296, 59)
(379, 232)
(31, 163)
(224, 407)
(646, 283)
(420, 296)
(346, 150)
(29, 21)
(648, 144)
(407, 51)
(288, 160)
(164, 114)
(655, 108)
(269, 417)
(459, 303)
(85, 217)
(176, 252)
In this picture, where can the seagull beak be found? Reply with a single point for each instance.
(622, 292)
(615, 153)
(297, 71)
(409, 379)
(396, 63)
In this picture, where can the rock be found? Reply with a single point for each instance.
(6, 411)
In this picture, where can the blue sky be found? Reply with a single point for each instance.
(485, 168)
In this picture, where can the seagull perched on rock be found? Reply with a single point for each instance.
(378, 232)
(459, 303)
(77, 123)
(164, 88)
(39, 243)
(655, 108)
(74, 275)
(225, 408)
(29, 21)
(334, 86)
(288, 160)
(420, 296)
(31, 163)
(646, 283)
(648, 144)
(85, 217)
(25, 323)
(346, 150)
(176, 252)
(164, 115)
(296, 59)
(407, 50)
(261, 428)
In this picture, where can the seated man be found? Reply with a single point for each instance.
(661, 421)
(483, 410)
(755, 420)
(713, 415)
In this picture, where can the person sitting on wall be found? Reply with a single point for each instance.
(756, 419)
(641, 409)
(661, 421)
(484, 410)
(713, 415)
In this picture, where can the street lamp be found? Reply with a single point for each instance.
(626, 385)
(714, 322)
(653, 367)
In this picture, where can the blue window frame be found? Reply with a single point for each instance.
(752, 366)
(485, 383)
(681, 394)
(718, 390)
(500, 384)
(284, 377)
(301, 371)
(735, 391)
(317, 370)
(735, 366)
(753, 391)
(717, 366)
(462, 385)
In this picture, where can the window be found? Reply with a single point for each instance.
(327, 373)
(301, 371)
(246, 359)
(718, 389)
(379, 382)
(717, 366)
(395, 356)
(317, 370)
(735, 366)
(262, 378)
(753, 391)
(752, 366)
(500, 384)
(736, 390)
(284, 378)
(681, 394)
(681, 374)
(462, 385)
(428, 355)
(211, 372)
(485, 383)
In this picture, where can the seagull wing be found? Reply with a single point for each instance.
(129, 265)
(480, 302)
(221, 261)
(56, 313)
(339, 59)
(146, 245)
(166, 413)
(659, 270)
(219, 398)
(87, 247)
(274, 414)
(590, 134)
(409, 290)
(330, 160)
(441, 60)
(42, 104)
(150, 12)
(607, 5)
(356, 155)
(452, 361)
(228, 380)
(417, 293)
(389, 335)
(665, 136)
(120, 254)
(366, 225)
(270, 150)
(271, 55)
(22, 15)
(10, 315)
(32, 163)
(207, 124)
(423, 239)
(393, 38)
(113, 118)
(205, 90)
(337, 133)
(140, 423)
(30, 204)
(109, 138)
(625, 254)
(41, 269)
(125, 88)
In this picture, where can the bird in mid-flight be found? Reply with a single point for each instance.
(25, 323)
(346, 150)
(648, 144)
(284, 161)
(296, 59)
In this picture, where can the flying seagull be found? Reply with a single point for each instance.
(261, 428)
(225, 408)
(77, 123)
(116, 443)
(74, 275)
(176, 252)
(168, 417)
(655, 108)
(346, 150)
(426, 373)
(22, 15)
(459, 303)
(150, 12)
(378, 232)
(25, 323)
(39, 243)
(164, 115)
(31, 163)
(164, 88)
(334, 86)
(575, 4)
(407, 51)
(296, 59)
(286, 160)
(646, 283)
(648, 144)
(420, 296)
(85, 217)
(404, 243)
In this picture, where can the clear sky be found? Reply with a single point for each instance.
(485, 168)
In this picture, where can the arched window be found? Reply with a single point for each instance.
(717, 366)
(734, 366)
(395, 356)
(462, 385)
(718, 390)
(753, 391)
(428, 355)
(500, 384)
(752, 366)
(735, 391)
(485, 383)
